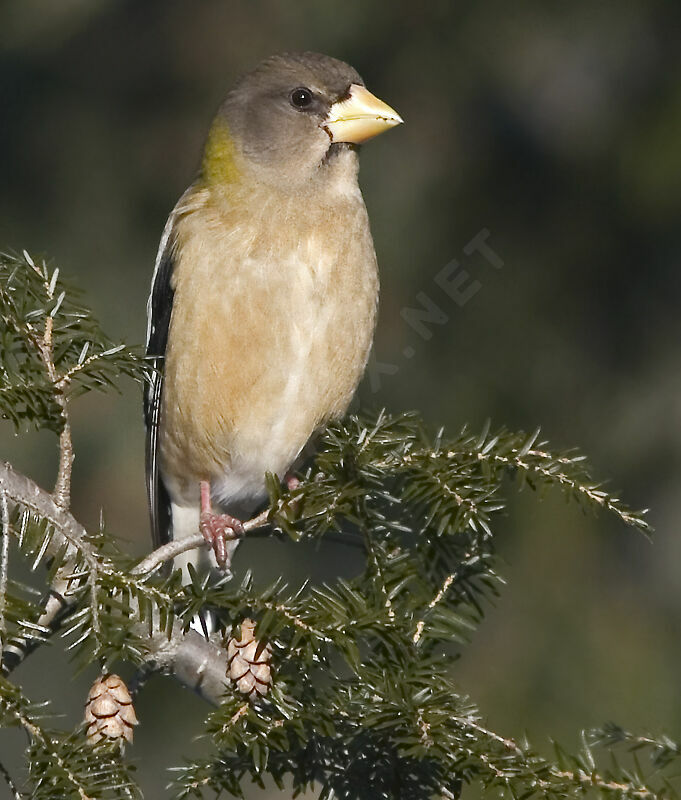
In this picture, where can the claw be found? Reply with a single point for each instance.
(291, 482)
(218, 529)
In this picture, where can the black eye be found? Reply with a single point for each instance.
(301, 97)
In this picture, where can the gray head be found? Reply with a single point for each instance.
(292, 112)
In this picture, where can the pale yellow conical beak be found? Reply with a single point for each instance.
(359, 116)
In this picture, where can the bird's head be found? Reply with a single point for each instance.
(290, 117)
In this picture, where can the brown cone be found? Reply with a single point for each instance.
(249, 662)
(109, 713)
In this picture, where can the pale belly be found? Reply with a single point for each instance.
(259, 357)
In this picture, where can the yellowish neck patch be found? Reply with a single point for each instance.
(219, 165)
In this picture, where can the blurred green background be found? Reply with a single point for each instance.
(555, 127)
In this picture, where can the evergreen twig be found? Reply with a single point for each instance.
(362, 704)
(16, 795)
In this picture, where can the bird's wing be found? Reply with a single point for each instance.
(159, 308)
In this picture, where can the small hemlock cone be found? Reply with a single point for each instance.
(249, 662)
(109, 713)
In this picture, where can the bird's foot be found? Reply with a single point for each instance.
(217, 530)
(291, 482)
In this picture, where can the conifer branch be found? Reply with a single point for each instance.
(68, 533)
(4, 564)
(53, 348)
(24, 492)
(439, 597)
(197, 663)
(12, 707)
(516, 452)
(44, 344)
(16, 795)
(174, 548)
(362, 703)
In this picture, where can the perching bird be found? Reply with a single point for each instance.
(264, 294)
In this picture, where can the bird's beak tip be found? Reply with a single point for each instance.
(359, 116)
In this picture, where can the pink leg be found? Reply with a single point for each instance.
(291, 482)
(217, 528)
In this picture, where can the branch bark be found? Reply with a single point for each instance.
(45, 346)
(197, 663)
(25, 492)
(167, 551)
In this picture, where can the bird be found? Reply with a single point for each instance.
(263, 299)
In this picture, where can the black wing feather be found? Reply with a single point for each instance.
(159, 310)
